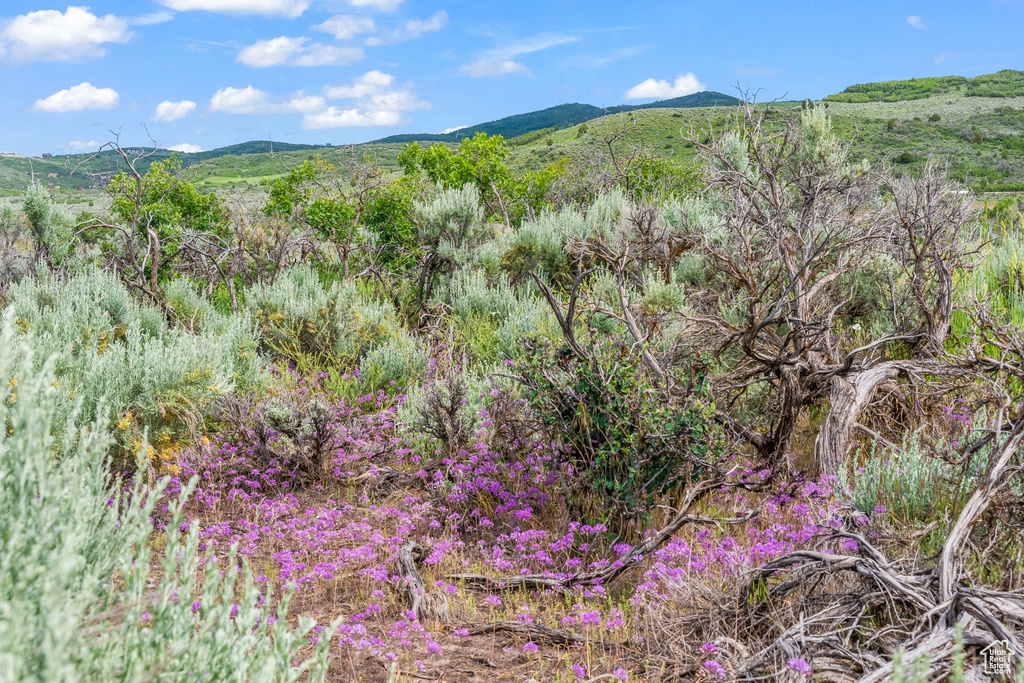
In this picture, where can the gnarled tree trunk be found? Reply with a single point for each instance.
(849, 396)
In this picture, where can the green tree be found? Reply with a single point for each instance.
(152, 212)
(482, 161)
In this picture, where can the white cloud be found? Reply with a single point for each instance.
(269, 8)
(82, 97)
(296, 52)
(451, 130)
(52, 36)
(915, 22)
(370, 83)
(500, 60)
(346, 26)
(336, 117)
(410, 30)
(151, 19)
(377, 103)
(399, 100)
(186, 147)
(491, 67)
(172, 111)
(944, 57)
(250, 100)
(652, 89)
(380, 5)
(77, 146)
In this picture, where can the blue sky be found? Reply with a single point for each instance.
(200, 74)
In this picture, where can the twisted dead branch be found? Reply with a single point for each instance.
(422, 604)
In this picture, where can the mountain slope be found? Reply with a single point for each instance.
(562, 116)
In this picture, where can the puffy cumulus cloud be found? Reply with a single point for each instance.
(410, 30)
(652, 89)
(399, 100)
(54, 36)
(500, 60)
(377, 103)
(250, 100)
(346, 26)
(267, 8)
(296, 52)
(915, 22)
(336, 117)
(83, 97)
(379, 5)
(186, 147)
(172, 111)
(370, 83)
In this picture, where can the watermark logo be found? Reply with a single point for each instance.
(997, 658)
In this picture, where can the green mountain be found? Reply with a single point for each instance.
(562, 116)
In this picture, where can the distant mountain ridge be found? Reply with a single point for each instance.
(561, 116)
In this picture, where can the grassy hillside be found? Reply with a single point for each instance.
(94, 170)
(1006, 83)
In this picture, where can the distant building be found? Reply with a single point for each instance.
(51, 175)
(47, 155)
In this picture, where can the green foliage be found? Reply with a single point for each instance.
(893, 91)
(562, 117)
(1005, 83)
(482, 162)
(627, 443)
(164, 201)
(68, 530)
(292, 192)
(998, 281)
(331, 219)
(388, 219)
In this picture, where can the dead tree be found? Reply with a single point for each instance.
(815, 603)
(790, 231)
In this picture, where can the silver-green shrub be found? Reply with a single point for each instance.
(51, 223)
(316, 326)
(907, 482)
(107, 347)
(78, 600)
(394, 366)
